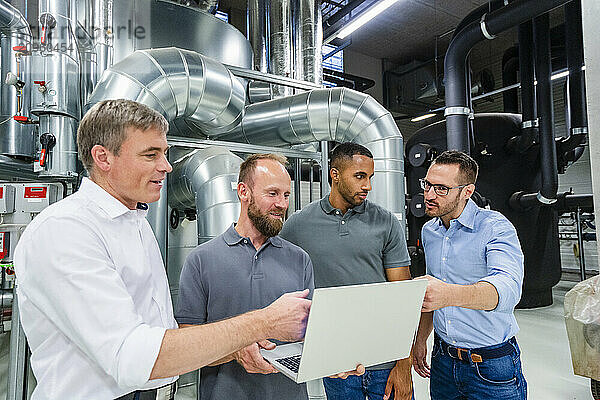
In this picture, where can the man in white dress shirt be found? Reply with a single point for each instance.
(93, 294)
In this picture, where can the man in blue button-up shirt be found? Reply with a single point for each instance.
(475, 272)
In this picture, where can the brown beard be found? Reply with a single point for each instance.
(265, 224)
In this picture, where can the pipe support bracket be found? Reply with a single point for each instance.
(535, 123)
(457, 111)
(545, 200)
(484, 29)
(579, 131)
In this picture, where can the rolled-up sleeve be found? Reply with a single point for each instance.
(65, 270)
(504, 260)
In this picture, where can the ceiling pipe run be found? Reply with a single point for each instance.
(455, 64)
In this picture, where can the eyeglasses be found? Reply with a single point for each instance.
(440, 190)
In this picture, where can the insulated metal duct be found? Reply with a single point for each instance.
(102, 14)
(257, 33)
(280, 46)
(207, 181)
(11, 19)
(180, 84)
(309, 41)
(337, 114)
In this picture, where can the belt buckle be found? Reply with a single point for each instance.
(165, 392)
(459, 352)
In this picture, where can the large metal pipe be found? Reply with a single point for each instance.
(257, 33)
(455, 65)
(510, 66)
(543, 67)
(15, 139)
(206, 180)
(180, 84)
(309, 41)
(280, 44)
(530, 122)
(577, 95)
(56, 72)
(338, 114)
(102, 14)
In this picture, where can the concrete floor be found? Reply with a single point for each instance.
(546, 356)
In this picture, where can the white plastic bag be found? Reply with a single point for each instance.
(582, 317)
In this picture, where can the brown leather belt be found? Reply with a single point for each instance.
(479, 354)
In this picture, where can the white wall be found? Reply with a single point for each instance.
(367, 67)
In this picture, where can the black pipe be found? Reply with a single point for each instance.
(477, 13)
(566, 201)
(513, 14)
(574, 46)
(510, 76)
(543, 67)
(530, 130)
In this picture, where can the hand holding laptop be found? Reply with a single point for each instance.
(253, 362)
(360, 370)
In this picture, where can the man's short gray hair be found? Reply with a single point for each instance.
(106, 124)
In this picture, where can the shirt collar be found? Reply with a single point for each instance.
(328, 208)
(113, 207)
(467, 216)
(232, 237)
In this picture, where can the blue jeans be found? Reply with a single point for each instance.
(491, 379)
(370, 385)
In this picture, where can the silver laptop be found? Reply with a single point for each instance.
(350, 325)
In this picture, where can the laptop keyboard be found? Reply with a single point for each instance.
(292, 363)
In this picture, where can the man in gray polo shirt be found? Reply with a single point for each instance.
(244, 269)
(352, 241)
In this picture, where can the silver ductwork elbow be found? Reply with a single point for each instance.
(340, 115)
(12, 19)
(180, 84)
(207, 181)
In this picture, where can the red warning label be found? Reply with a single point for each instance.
(36, 192)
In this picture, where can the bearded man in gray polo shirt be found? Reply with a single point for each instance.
(244, 269)
(353, 241)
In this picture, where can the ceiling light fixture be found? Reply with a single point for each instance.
(422, 117)
(365, 17)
